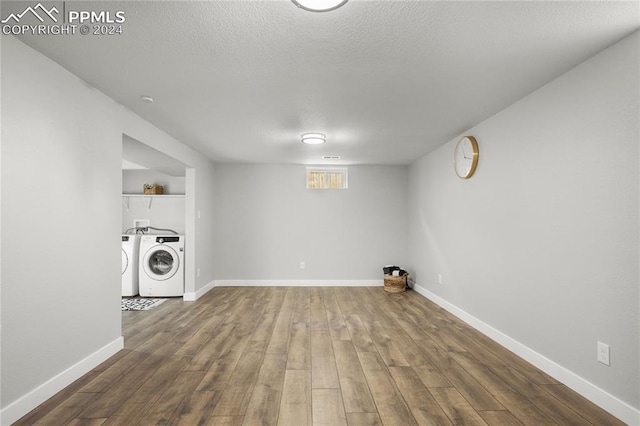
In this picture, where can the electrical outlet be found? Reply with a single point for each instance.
(302, 265)
(439, 278)
(603, 353)
(198, 272)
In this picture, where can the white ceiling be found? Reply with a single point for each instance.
(136, 155)
(387, 82)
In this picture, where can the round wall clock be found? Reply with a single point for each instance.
(465, 157)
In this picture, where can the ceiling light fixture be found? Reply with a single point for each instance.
(147, 99)
(319, 5)
(313, 138)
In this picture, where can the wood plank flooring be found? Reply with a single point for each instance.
(301, 356)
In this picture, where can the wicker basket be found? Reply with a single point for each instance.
(153, 189)
(395, 284)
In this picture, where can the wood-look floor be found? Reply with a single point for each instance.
(300, 356)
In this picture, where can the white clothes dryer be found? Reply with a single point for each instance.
(130, 252)
(161, 266)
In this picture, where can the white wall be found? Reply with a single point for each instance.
(542, 243)
(163, 213)
(267, 222)
(61, 220)
(61, 160)
(200, 181)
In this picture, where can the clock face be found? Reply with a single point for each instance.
(466, 157)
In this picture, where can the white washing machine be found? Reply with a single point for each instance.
(161, 267)
(130, 252)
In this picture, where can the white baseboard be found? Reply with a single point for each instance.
(192, 297)
(298, 283)
(28, 402)
(593, 393)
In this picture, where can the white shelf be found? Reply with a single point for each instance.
(149, 197)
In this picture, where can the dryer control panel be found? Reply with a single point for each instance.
(167, 240)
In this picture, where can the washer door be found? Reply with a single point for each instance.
(125, 261)
(161, 262)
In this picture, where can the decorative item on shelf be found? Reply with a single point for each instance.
(153, 189)
(395, 279)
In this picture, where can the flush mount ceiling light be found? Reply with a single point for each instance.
(319, 5)
(313, 138)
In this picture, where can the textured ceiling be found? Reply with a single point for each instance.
(136, 155)
(387, 82)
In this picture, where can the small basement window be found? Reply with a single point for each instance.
(326, 178)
